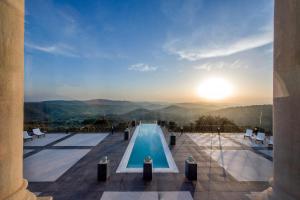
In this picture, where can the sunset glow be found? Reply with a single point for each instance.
(154, 51)
(215, 89)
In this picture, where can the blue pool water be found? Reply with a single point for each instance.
(148, 143)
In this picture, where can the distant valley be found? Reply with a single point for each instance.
(184, 113)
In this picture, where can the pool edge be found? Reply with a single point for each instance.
(122, 168)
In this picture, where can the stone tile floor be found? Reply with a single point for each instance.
(214, 182)
(147, 196)
(243, 165)
(214, 140)
(27, 151)
(84, 139)
(48, 165)
(267, 152)
(44, 140)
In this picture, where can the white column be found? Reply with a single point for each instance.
(12, 184)
(286, 180)
(286, 102)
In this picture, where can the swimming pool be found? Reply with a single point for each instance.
(147, 140)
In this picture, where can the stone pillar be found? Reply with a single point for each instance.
(286, 101)
(12, 184)
(286, 180)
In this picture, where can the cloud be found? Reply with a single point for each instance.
(208, 66)
(142, 67)
(56, 49)
(78, 52)
(219, 50)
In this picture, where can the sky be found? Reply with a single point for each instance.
(142, 50)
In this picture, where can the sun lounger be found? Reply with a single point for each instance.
(248, 133)
(38, 132)
(260, 137)
(270, 142)
(26, 136)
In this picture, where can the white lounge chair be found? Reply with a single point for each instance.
(249, 133)
(260, 137)
(38, 132)
(270, 142)
(26, 136)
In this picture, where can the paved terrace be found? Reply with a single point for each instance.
(65, 167)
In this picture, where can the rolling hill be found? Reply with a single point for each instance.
(255, 115)
(52, 111)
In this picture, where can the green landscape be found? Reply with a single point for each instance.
(101, 114)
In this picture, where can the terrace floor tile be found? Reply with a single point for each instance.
(129, 196)
(25, 151)
(267, 152)
(212, 140)
(214, 181)
(43, 141)
(83, 139)
(244, 165)
(49, 165)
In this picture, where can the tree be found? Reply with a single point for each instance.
(101, 124)
(172, 125)
(212, 123)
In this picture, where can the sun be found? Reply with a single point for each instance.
(215, 89)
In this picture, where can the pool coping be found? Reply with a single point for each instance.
(122, 168)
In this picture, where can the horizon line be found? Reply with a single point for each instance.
(163, 102)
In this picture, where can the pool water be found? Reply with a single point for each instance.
(148, 143)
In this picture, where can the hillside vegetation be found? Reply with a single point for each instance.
(73, 113)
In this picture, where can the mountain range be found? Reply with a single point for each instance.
(61, 110)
